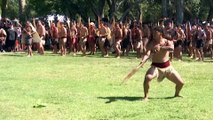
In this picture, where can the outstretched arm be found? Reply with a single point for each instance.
(146, 56)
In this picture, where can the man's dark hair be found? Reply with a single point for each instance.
(166, 22)
(159, 29)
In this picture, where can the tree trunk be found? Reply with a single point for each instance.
(112, 9)
(22, 4)
(3, 8)
(165, 8)
(210, 15)
(179, 11)
(101, 8)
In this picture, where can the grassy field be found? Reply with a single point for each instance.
(52, 87)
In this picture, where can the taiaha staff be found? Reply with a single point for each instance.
(89, 25)
(132, 72)
(99, 21)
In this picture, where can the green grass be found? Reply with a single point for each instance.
(52, 87)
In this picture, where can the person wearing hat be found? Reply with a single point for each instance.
(158, 50)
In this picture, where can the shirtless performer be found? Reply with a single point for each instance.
(208, 43)
(158, 49)
(83, 33)
(41, 31)
(62, 33)
(3, 36)
(136, 39)
(146, 36)
(179, 43)
(91, 38)
(170, 34)
(126, 43)
(201, 37)
(118, 38)
(102, 34)
(54, 36)
(211, 46)
(73, 35)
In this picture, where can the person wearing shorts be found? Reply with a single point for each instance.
(158, 50)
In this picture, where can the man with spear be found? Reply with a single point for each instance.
(158, 50)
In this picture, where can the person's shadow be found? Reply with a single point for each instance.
(127, 98)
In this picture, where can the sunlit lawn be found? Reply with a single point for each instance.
(52, 87)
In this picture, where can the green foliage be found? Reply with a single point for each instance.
(151, 12)
(121, 9)
(12, 9)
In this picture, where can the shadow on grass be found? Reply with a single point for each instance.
(128, 98)
(39, 106)
(15, 55)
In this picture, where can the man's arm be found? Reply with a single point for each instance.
(168, 47)
(146, 56)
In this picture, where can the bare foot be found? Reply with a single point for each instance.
(178, 96)
(145, 99)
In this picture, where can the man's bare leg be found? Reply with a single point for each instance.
(148, 78)
(176, 78)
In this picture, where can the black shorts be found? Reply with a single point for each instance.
(178, 43)
(187, 43)
(106, 43)
(125, 43)
(199, 43)
(54, 41)
(28, 40)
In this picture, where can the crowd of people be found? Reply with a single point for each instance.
(111, 38)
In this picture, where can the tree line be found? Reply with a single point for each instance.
(121, 10)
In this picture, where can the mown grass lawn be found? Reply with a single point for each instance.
(52, 87)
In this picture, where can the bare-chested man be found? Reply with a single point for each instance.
(54, 37)
(62, 33)
(170, 34)
(126, 43)
(179, 42)
(3, 36)
(91, 38)
(41, 31)
(118, 38)
(209, 41)
(136, 39)
(201, 37)
(146, 36)
(102, 34)
(211, 46)
(188, 40)
(158, 49)
(74, 37)
(194, 33)
(83, 33)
